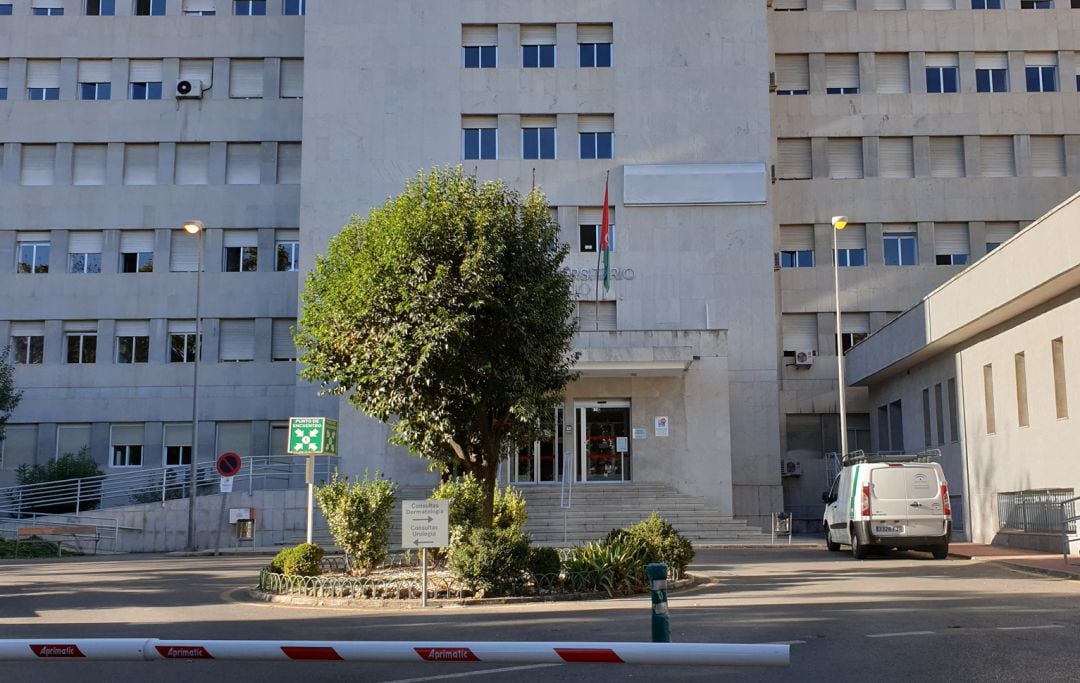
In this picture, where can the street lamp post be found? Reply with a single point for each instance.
(195, 228)
(838, 224)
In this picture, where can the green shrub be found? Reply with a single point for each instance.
(358, 515)
(613, 565)
(301, 560)
(544, 562)
(661, 541)
(68, 468)
(466, 496)
(492, 560)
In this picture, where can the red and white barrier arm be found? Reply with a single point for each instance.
(704, 654)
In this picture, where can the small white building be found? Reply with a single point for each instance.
(985, 368)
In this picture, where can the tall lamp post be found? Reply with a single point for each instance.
(195, 228)
(838, 224)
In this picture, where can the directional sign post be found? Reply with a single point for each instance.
(312, 436)
(425, 524)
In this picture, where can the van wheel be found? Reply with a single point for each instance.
(940, 551)
(832, 545)
(858, 550)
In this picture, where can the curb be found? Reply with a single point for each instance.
(1021, 567)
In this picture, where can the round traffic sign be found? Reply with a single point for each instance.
(228, 464)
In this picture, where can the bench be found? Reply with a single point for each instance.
(61, 533)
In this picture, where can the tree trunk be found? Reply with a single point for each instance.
(489, 480)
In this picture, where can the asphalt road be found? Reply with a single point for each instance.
(898, 617)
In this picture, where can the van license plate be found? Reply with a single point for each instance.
(888, 530)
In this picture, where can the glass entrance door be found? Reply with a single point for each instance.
(604, 428)
(542, 461)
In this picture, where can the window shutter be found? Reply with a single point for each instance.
(136, 241)
(3, 73)
(479, 35)
(237, 340)
(38, 164)
(991, 60)
(1040, 59)
(241, 238)
(951, 238)
(537, 121)
(595, 33)
(596, 123)
(292, 78)
(799, 331)
(479, 122)
(192, 164)
(144, 71)
(942, 59)
(281, 341)
(245, 78)
(88, 242)
(32, 237)
(890, 4)
(198, 6)
(591, 215)
(1047, 155)
(287, 235)
(95, 71)
(181, 327)
(184, 252)
(947, 157)
(132, 328)
(80, 326)
(789, 4)
(842, 71)
(197, 69)
(27, 329)
(288, 163)
(855, 323)
(242, 164)
(896, 158)
(845, 157)
(177, 435)
(996, 156)
(140, 164)
(797, 238)
(939, 4)
(996, 233)
(537, 34)
(47, 4)
(590, 318)
(792, 72)
(838, 5)
(127, 435)
(893, 76)
(851, 237)
(234, 437)
(72, 438)
(88, 165)
(793, 158)
(43, 73)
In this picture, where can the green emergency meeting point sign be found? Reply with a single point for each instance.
(312, 436)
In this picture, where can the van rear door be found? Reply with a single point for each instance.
(906, 500)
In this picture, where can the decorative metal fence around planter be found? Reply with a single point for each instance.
(1036, 511)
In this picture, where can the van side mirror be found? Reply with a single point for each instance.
(825, 498)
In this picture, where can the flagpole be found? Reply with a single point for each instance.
(599, 252)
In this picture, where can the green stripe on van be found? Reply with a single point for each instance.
(854, 483)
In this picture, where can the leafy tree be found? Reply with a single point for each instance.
(446, 312)
(9, 397)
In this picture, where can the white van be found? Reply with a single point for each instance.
(894, 501)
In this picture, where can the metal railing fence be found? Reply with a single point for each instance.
(1069, 518)
(1037, 511)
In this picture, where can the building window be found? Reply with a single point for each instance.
(792, 75)
(28, 345)
(796, 246)
(480, 56)
(95, 91)
(596, 145)
(43, 79)
(84, 263)
(849, 339)
(954, 416)
(479, 46)
(793, 159)
(939, 411)
(246, 78)
(996, 233)
(100, 8)
(1041, 74)
(796, 259)
(942, 73)
(594, 45)
(985, 4)
(988, 397)
(126, 445)
(1020, 365)
(5, 9)
(43, 93)
(1036, 4)
(144, 77)
(541, 56)
(951, 246)
(242, 163)
(137, 251)
(927, 431)
(198, 8)
(241, 259)
(48, 11)
(140, 164)
(146, 90)
(991, 73)
(288, 256)
(799, 332)
(291, 79)
(596, 315)
(855, 328)
(33, 257)
(249, 8)
(294, 8)
(84, 252)
(901, 249)
(282, 347)
(236, 341)
(538, 143)
(480, 143)
(851, 246)
(132, 349)
(149, 8)
(182, 341)
(841, 74)
(177, 445)
(1061, 398)
(589, 238)
(82, 347)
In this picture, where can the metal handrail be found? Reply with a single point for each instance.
(1066, 541)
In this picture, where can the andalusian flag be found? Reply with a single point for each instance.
(605, 239)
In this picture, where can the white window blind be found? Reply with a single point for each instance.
(88, 164)
(52, 4)
(938, 59)
(27, 329)
(796, 238)
(1040, 59)
(855, 323)
(32, 237)
(996, 233)
(595, 33)
(538, 34)
(793, 158)
(1047, 155)
(799, 331)
(242, 164)
(951, 238)
(199, 6)
(43, 73)
(85, 242)
(792, 72)
(890, 4)
(136, 241)
(789, 4)
(287, 235)
(234, 437)
(947, 157)
(893, 74)
(198, 70)
(896, 158)
(132, 328)
(851, 237)
(192, 164)
(479, 122)
(997, 156)
(991, 60)
(241, 238)
(95, 71)
(177, 435)
(184, 252)
(281, 341)
(246, 78)
(3, 73)
(38, 165)
(845, 157)
(127, 435)
(144, 71)
(237, 340)
(939, 4)
(838, 5)
(596, 123)
(140, 164)
(181, 327)
(597, 315)
(842, 71)
(537, 121)
(288, 163)
(80, 326)
(292, 78)
(479, 35)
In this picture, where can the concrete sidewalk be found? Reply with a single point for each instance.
(1050, 564)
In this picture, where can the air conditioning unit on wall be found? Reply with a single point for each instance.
(792, 468)
(804, 358)
(189, 87)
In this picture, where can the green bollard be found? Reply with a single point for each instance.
(661, 628)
